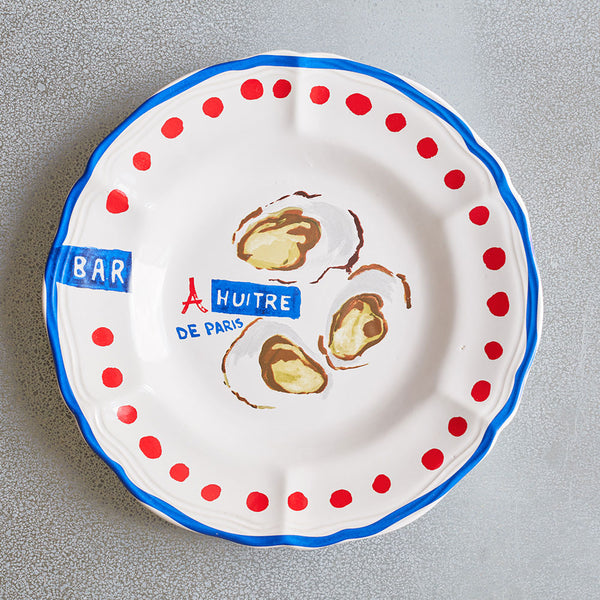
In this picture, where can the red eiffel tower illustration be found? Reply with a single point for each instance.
(193, 299)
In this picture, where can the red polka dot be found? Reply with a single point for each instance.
(433, 459)
(179, 472)
(454, 179)
(282, 88)
(457, 426)
(498, 304)
(251, 89)
(103, 336)
(126, 414)
(358, 104)
(210, 492)
(150, 446)
(257, 502)
(212, 107)
(494, 258)
(319, 94)
(172, 127)
(479, 215)
(112, 377)
(117, 202)
(481, 391)
(427, 148)
(340, 498)
(395, 122)
(141, 161)
(493, 350)
(382, 484)
(297, 501)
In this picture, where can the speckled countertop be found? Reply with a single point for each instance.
(525, 75)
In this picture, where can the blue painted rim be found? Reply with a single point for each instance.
(533, 296)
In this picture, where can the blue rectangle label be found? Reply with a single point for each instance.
(94, 268)
(243, 298)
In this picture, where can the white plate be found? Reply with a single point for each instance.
(172, 394)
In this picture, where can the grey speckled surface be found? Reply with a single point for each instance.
(525, 75)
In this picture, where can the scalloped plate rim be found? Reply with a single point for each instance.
(534, 310)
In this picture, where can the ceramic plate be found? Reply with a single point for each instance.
(292, 300)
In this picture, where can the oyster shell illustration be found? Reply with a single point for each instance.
(298, 238)
(268, 364)
(356, 326)
(362, 315)
(285, 367)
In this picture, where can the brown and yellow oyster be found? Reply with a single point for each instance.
(356, 326)
(280, 241)
(362, 315)
(298, 238)
(270, 366)
(285, 367)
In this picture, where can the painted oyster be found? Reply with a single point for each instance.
(356, 326)
(298, 238)
(362, 315)
(268, 365)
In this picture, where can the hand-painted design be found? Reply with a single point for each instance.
(212, 107)
(268, 361)
(255, 299)
(357, 319)
(150, 447)
(285, 367)
(193, 298)
(381, 484)
(142, 161)
(210, 492)
(103, 336)
(407, 298)
(359, 104)
(427, 148)
(499, 304)
(494, 258)
(172, 127)
(480, 391)
(117, 202)
(395, 122)
(330, 363)
(297, 501)
(433, 459)
(251, 89)
(224, 367)
(454, 179)
(319, 94)
(493, 350)
(282, 88)
(280, 241)
(127, 414)
(93, 268)
(112, 377)
(340, 498)
(354, 258)
(179, 472)
(301, 236)
(457, 426)
(257, 501)
(479, 215)
(356, 326)
(376, 267)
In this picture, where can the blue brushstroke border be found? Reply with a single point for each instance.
(497, 172)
